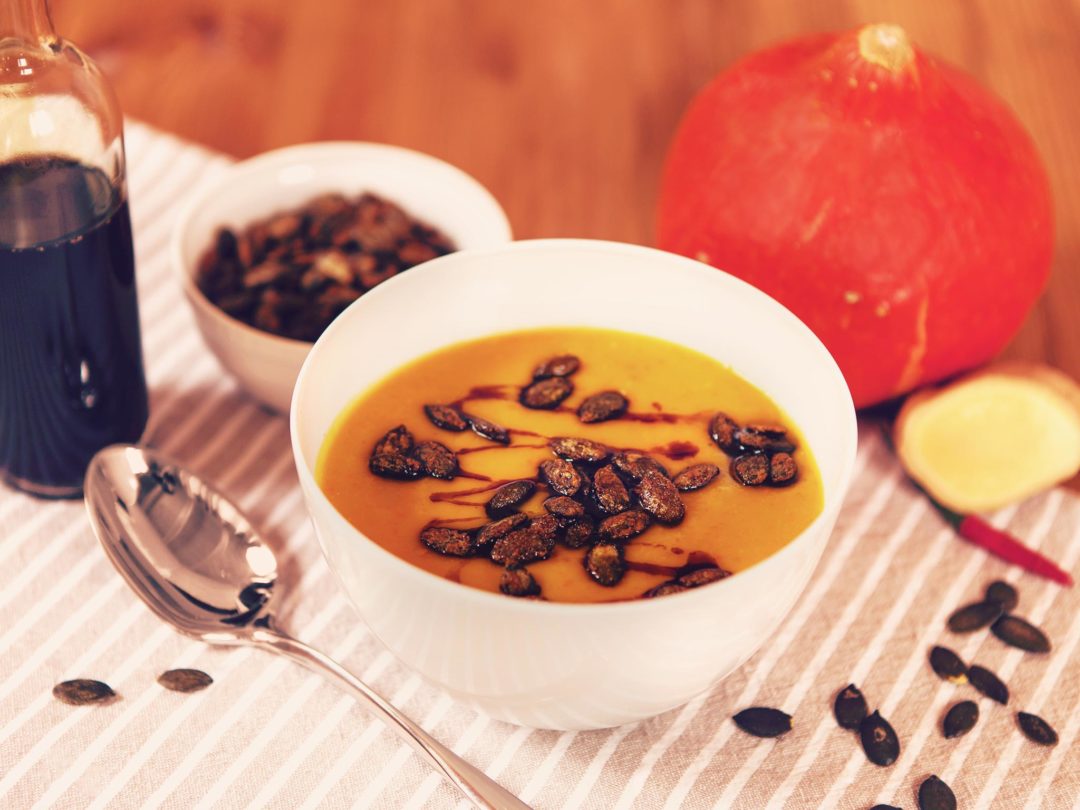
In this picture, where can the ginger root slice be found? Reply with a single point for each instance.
(993, 437)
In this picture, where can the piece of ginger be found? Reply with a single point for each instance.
(993, 437)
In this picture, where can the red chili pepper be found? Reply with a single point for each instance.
(1001, 544)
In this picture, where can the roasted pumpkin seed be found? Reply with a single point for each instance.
(948, 665)
(446, 417)
(988, 683)
(879, 740)
(583, 450)
(522, 546)
(566, 510)
(561, 366)
(184, 680)
(624, 526)
(1036, 729)
(634, 465)
(664, 588)
(658, 496)
(438, 460)
(509, 497)
(960, 719)
(1003, 593)
(764, 438)
(546, 394)
(762, 721)
(83, 691)
(1019, 633)
(491, 532)
(695, 477)
(609, 492)
(602, 407)
(850, 707)
(703, 576)
(604, 563)
(561, 477)
(750, 469)
(782, 469)
(396, 467)
(936, 795)
(518, 582)
(579, 533)
(722, 430)
(546, 527)
(973, 617)
(448, 542)
(487, 429)
(398, 441)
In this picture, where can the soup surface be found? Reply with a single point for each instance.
(673, 394)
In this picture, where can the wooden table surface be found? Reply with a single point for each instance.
(562, 108)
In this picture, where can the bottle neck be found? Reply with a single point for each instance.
(28, 20)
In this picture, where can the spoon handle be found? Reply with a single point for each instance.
(474, 783)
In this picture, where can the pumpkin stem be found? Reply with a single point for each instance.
(886, 45)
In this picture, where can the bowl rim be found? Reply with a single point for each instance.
(480, 598)
(278, 158)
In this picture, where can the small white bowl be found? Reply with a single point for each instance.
(427, 188)
(573, 666)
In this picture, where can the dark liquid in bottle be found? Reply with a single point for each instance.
(71, 373)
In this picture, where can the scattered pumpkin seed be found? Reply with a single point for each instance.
(1036, 729)
(762, 721)
(604, 563)
(948, 665)
(658, 496)
(546, 394)
(722, 430)
(561, 477)
(960, 719)
(561, 366)
(602, 407)
(395, 466)
(879, 740)
(522, 546)
(1003, 593)
(509, 497)
(695, 477)
(703, 576)
(988, 683)
(1017, 632)
(584, 450)
(448, 542)
(517, 581)
(850, 707)
(438, 460)
(936, 795)
(486, 429)
(446, 417)
(974, 617)
(184, 680)
(82, 692)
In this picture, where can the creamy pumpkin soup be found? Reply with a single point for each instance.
(571, 464)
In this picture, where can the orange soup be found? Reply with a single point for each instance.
(618, 522)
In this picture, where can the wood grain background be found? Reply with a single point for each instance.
(563, 108)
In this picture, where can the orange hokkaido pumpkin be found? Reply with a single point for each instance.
(886, 198)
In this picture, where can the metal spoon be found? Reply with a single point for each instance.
(198, 563)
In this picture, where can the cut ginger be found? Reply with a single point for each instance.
(993, 437)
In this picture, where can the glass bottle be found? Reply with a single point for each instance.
(71, 371)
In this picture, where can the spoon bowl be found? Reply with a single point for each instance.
(199, 564)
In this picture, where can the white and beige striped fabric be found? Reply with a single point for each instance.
(268, 734)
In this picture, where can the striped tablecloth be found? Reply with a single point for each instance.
(269, 734)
